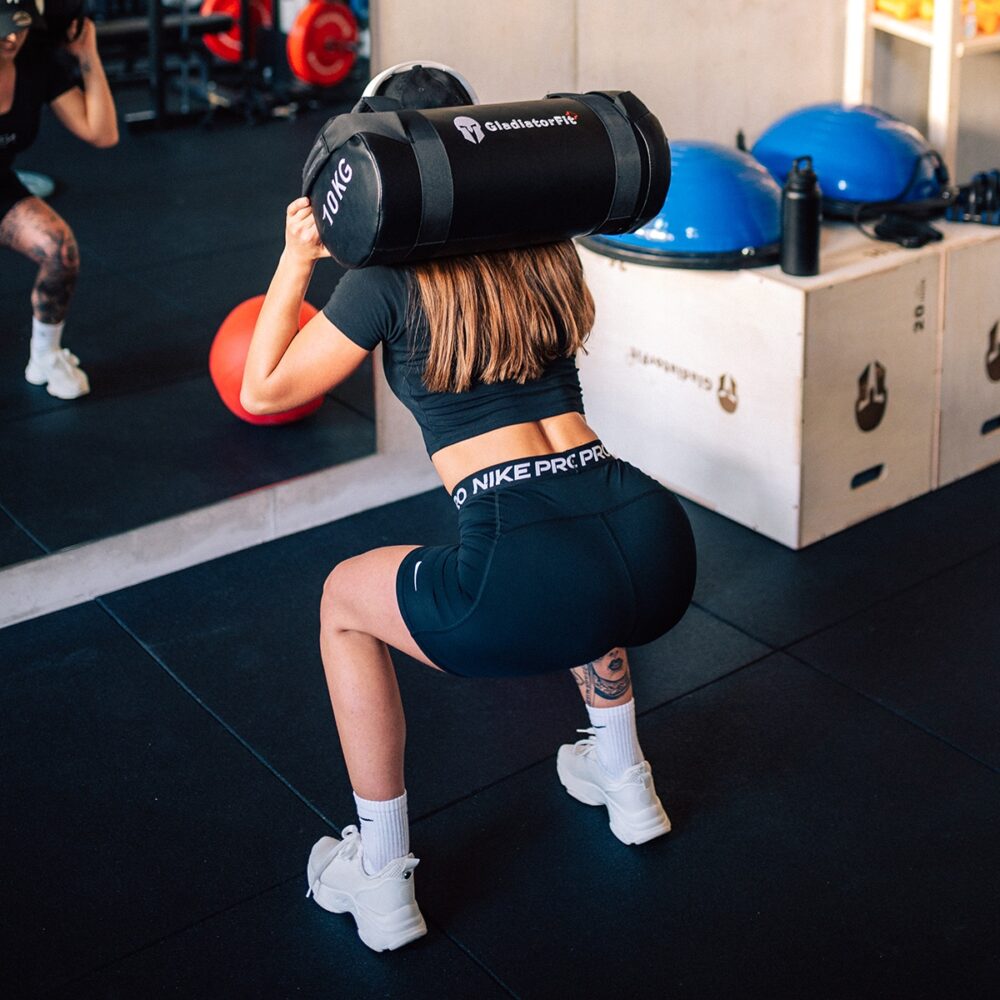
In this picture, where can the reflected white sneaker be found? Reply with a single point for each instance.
(634, 809)
(60, 372)
(383, 905)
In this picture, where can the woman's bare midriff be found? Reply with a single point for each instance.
(506, 444)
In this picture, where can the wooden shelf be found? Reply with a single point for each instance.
(943, 39)
(915, 30)
(921, 32)
(979, 44)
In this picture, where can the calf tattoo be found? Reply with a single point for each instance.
(33, 229)
(604, 679)
(57, 272)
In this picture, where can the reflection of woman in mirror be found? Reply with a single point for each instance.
(34, 72)
(566, 554)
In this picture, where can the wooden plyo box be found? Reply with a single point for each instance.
(795, 406)
(970, 352)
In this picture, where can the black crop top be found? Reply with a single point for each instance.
(369, 305)
(43, 74)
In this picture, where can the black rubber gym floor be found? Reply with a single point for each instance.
(175, 229)
(823, 727)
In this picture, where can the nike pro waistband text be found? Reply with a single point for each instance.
(537, 467)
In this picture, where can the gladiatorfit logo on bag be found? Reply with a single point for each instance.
(472, 131)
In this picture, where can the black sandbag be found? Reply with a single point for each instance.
(63, 20)
(394, 186)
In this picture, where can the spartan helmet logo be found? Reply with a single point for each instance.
(470, 129)
(728, 397)
(872, 397)
(993, 354)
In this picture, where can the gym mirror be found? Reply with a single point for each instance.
(175, 227)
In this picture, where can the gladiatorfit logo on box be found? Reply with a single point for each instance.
(472, 131)
(725, 391)
(873, 396)
(993, 353)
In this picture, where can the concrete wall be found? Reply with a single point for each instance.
(708, 69)
(705, 68)
(511, 50)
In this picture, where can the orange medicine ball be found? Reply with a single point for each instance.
(228, 358)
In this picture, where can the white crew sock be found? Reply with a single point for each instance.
(46, 338)
(617, 741)
(385, 831)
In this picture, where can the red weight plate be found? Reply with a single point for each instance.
(322, 43)
(228, 45)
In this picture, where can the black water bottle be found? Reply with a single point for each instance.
(801, 211)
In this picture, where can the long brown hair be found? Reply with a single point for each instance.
(501, 316)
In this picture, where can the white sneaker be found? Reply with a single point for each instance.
(635, 810)
(383, 905)
(60, 372)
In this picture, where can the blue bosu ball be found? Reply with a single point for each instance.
(860, 154)
(723, 211)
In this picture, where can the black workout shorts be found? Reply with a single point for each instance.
(11, 191)
(552, 569)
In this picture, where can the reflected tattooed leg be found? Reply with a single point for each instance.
(34, 230)
(606, 681)
(56, 280)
